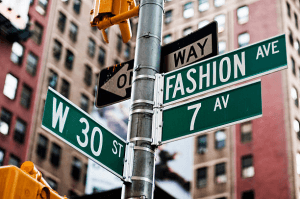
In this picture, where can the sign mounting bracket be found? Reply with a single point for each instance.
(128, 162)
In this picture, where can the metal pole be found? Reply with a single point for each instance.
(146, 65)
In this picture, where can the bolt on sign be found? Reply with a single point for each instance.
(75, 127)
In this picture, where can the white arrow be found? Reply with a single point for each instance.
(119, 82)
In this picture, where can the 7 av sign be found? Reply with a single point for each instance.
(69, 123)
(240, 65)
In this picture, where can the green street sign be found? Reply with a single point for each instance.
(69, 123)
(227, 69)
(209, 113)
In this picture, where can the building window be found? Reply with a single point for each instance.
(119, 44)
(288, 7)
(20, 130)
(201, 177)
(202, 144)
(248, 195)
(52, 183)
(91, 47)
(243, 14)
(220, 139)
(65, 88)
(203, 5)
(69, 60)
(188, 10)
(168, 17)
(127, 51)
(76, 6)
(57, 49)
(291, 39)
(5, 121)
(76, 169)
(187, 31)
(26, 96)
(221, 22)
(72, 193)
(296, 20)
(2, 153)
(220, 173)
(17, 53)
(243, 39)
(203, 23)
(55, 154)
(247, 166)
(167, 39)
(219, 3)
(88, 75)
(246, 132)
(61, 24)
(293, 66)
(73, 31)
(101, 56)
(31, 66)
(52, 80)
(222, 47)
(296, 126)
(297, 46)
(14, 160)
(294, 95)
(10, 86)
(84, 103)
(297, 161)
(42, 6)
(42, 146)
(37, 33)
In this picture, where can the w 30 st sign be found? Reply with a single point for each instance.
(75, 127)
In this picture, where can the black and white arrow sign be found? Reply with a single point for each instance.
(115, 82)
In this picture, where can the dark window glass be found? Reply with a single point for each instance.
(37, 33)
(247, 166)
(73, 31)
(288, 7)
(293, 66)
(17, 53)
(84, 103)
(5, 121)
(72, 193)
(26, 96)
(57, 49)
(20, 130)
(91, 47)
(88, 75)
(220, 173)
(168, 16)
(52, 80)
(291, 38)
(43, 4)
(65, 88)
(101, 57)
(61, 24)
(220, 139)
(14, 160)
(76, 169)
(248, 194)
(119, 44)
(296, 20)
(294, 95)
(2, 153)
(69, 60)
(31, 66)
(246, 132)
(127, 51)
(55, 154)
(52, 183)
(42, 146)
(76, 6)
(201, 177)
(202, 144)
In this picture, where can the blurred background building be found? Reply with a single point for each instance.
(50, 43)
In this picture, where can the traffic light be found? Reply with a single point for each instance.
(24, 183)
(109, 12)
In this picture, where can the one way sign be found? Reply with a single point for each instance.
(115, 82)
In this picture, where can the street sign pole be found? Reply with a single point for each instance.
(146, 65)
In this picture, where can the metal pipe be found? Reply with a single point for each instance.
(148, 50)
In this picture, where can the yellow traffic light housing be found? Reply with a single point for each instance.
(25, 183)
(109, 12)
